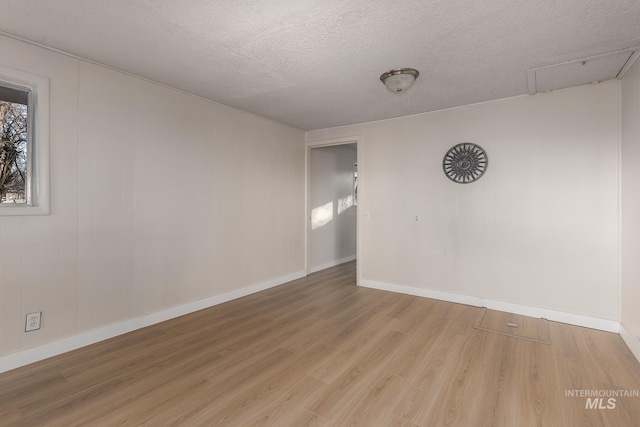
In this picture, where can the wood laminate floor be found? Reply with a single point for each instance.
(321, 351)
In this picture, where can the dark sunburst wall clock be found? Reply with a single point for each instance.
(465, 163)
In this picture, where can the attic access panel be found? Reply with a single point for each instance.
(578, 72)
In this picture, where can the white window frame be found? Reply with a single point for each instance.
(38, 199)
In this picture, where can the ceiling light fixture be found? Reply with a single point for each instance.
(399, 79)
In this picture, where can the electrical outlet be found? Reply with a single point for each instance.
(416, 217)
(33, 321)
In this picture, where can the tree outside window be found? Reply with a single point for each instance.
(13, 145)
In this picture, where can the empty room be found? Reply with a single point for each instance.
(320, 213)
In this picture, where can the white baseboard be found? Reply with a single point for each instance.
(332, 263)
(632, 342)
(556, 316)
(35, 354)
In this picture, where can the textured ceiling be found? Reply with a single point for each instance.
(316, 64)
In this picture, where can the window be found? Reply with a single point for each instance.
(15, 144)
(24, 148)
(355, 184)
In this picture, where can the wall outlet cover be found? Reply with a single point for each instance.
(33, 321)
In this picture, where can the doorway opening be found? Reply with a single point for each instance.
(332, 199)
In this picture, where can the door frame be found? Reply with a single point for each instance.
(307, 196)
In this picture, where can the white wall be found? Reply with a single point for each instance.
(539, 229)
(159, 199)
(333, 215)
(630, 183)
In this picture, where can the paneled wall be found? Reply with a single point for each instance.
(539, 229)
(158, 199)
(630, 299)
